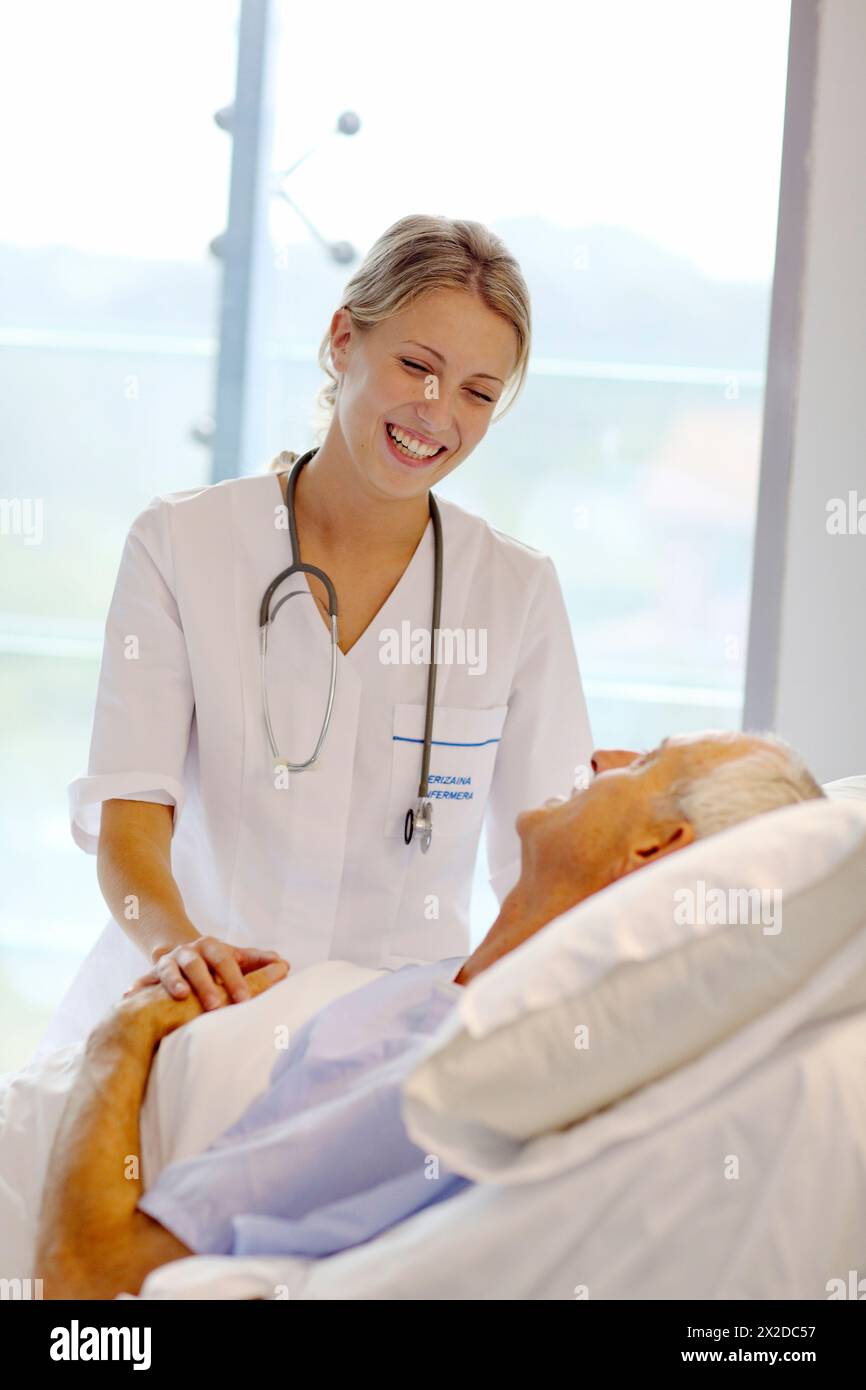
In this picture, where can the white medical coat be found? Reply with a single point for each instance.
(319, 869)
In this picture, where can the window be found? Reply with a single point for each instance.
(114, 185)
(627, 153)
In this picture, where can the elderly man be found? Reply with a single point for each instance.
(320, 1160)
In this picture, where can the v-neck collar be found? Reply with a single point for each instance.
(316, 614)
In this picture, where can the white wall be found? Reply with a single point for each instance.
(811, 685)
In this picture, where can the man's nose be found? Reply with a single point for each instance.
(603, 759)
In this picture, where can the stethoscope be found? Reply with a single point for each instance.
(419, 818)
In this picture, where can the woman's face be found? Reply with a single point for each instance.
(435, 372)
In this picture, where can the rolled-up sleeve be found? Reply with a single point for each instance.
(546, 734)
(144, 702)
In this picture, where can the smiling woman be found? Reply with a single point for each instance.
(431, 332)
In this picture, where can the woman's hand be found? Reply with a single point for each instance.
(202, 966)
(146, 1014)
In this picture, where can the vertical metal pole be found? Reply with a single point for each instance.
(238, 441)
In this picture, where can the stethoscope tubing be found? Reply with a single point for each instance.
(423, 809)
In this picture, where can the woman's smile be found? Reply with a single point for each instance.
(405, 453)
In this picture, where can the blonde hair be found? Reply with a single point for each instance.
(414, 256)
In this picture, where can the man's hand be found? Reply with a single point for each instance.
(150, 1014)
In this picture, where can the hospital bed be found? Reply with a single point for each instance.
(716, 1149)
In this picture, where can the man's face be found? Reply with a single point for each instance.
(621, 821)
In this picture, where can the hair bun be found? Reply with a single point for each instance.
(283, 460)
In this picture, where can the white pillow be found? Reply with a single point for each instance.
(652, 992)
(847, 789)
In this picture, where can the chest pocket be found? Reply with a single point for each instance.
(462, 759)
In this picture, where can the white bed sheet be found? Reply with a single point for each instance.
(634, 1203)
(655, 1217)
(203, 1077)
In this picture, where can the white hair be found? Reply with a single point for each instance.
(739, 788)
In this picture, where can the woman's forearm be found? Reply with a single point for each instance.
(135, 876)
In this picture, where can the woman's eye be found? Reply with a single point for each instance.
(407, 362)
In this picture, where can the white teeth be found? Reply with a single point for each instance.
(424, 451)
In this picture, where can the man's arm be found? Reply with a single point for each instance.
(92, 1242)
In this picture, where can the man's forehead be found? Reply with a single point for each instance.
(711, 743)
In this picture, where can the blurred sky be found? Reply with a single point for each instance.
(662, 117)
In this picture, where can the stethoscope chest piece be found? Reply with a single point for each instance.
(419, 821)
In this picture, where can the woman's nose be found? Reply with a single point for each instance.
(438, 425)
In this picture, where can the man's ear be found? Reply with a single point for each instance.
(662, 839)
